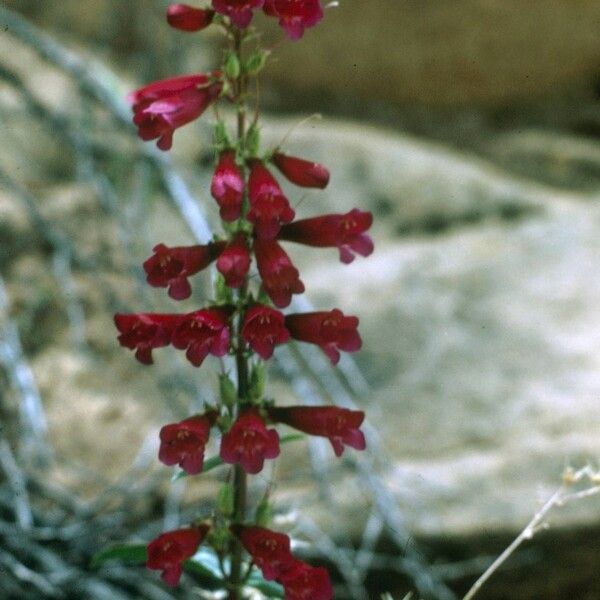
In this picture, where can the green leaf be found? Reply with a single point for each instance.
(256, 61)
(205, 566)
(292, 437)
(132, 553)
(264, 513)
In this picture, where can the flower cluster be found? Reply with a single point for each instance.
(270, 552)
(256, 282)
(293, 15)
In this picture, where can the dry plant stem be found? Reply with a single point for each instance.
(559, 498)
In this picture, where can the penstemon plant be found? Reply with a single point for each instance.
(244, 320)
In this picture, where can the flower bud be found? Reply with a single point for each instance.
(227, 187)
(187, 18)
(301, 172)
(232, 66)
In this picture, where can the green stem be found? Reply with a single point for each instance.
(240, 483)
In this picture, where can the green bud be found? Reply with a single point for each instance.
(223, 293)
(225, 500)
(224, 422)
(257, 381)
(253, 140)
(232, 66)
(221, 137)
(256, 62)
(264, 513)
(227, 390)
(218, 538)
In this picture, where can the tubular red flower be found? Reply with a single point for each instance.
(280, 277)
(203, 332)
(295, 15)
(187, 18)
(269, 550)
(239, 11)
(263, 329)
(170, 267)
(169, 550)
(345, 232)
(163, 106)
(304, 582)
(249, 443)
(340, 425)
(331, 331)
(234, 261)
(269, 208)
(302, 172)
(227, 187)
(144, 331)
(183, 443)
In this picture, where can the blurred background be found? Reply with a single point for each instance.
(470, 128)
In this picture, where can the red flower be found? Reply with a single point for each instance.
(346, 232)
(263, 328)
(303, 582)
(227, 187)
(302, 172)
(249, 442)
(295, 15)
(163, 106)
(234, 261)
(169, 550)
(279, 276)
(269, 208)
(269, 550)
(203, 332)
(183, 443)
(331, 331)
(170, 267)
(186, 18)
(239, 11)
(145, 331)
(340, 425)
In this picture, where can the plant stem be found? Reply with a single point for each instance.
(240, 483)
